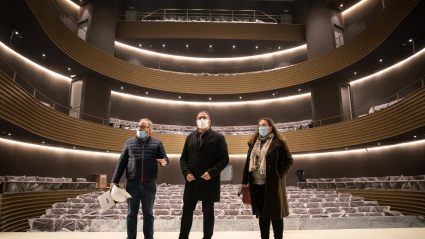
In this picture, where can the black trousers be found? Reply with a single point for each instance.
(259, 193)
(187, 218)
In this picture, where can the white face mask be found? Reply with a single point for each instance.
(202, 123)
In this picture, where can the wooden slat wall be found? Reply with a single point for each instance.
(406, 202)
(17, 208)
(326, 64)
(208, 30)
(21, 109)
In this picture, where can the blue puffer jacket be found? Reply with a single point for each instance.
(139, 160)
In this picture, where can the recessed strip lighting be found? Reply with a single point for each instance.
(391, 67)
(6, 48)
(212, 59)
(72, 3)
(209, 103)
(233, 155)
(354, 6)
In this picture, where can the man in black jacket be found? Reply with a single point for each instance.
(204, 156)
(140, 158)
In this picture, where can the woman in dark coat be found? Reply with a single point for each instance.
(267, 163)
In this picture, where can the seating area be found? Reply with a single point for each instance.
(376, 108)
(241, 72)
(406, 183)
(218, 19)
(77, 214)
(20, 184)
(225, 130)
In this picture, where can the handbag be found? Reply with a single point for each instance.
(246, 195)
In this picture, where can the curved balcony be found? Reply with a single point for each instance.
(23, 110)
(315, 68)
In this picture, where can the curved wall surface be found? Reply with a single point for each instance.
(24, 111)
(49, 83)
(378, 87)
(210, 30)
(374, 162)
(333, 61)
(281, 110)
(198, 64)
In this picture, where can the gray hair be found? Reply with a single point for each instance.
(150, 124)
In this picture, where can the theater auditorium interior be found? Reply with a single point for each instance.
(343, 81)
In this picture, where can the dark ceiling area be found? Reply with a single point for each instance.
(32, 42)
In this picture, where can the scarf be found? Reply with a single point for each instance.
(258, 154)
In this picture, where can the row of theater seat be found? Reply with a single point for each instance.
(408, 183)
(225, 130)
(376, 108)
(19, 184)
(246, 72)
(223, 19)
(78, 213)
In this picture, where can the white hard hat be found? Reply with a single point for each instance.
(119, 195)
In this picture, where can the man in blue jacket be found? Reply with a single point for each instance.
(140, 158)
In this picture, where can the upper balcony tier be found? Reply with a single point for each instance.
(306, 71)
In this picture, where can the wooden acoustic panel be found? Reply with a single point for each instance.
(210, 30)
(21, 109)
(318, 67)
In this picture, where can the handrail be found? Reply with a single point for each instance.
(209, 15)
(269, 65)
(352, 112)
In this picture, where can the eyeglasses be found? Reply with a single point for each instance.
(142, 127)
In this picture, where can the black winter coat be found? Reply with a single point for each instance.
(278, 162)
(212, 157)
(138, 158)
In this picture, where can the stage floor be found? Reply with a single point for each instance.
(390, 233)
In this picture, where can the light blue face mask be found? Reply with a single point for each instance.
(263, 131)
(141, 134)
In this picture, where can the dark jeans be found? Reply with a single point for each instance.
(143, 192)
(259, 192)
(187, 218)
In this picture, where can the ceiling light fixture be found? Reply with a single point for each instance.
(210, 45)
(69, 69)
(147, 92)
(16, 33)
(233, 46)
(44, 55)
(72, 76)
(355, 73)
(410, 40)
(74, 147)
(187, 45)
(240, 97)
(380, 59)
(210, 98)
(180, 97)
(279, 47)
(341, 5)
(43, 142)
(414, 136)
(299, 89)
(140, 44)
(9, 134)
(256, 47)
(122, 87)
(163, 44)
